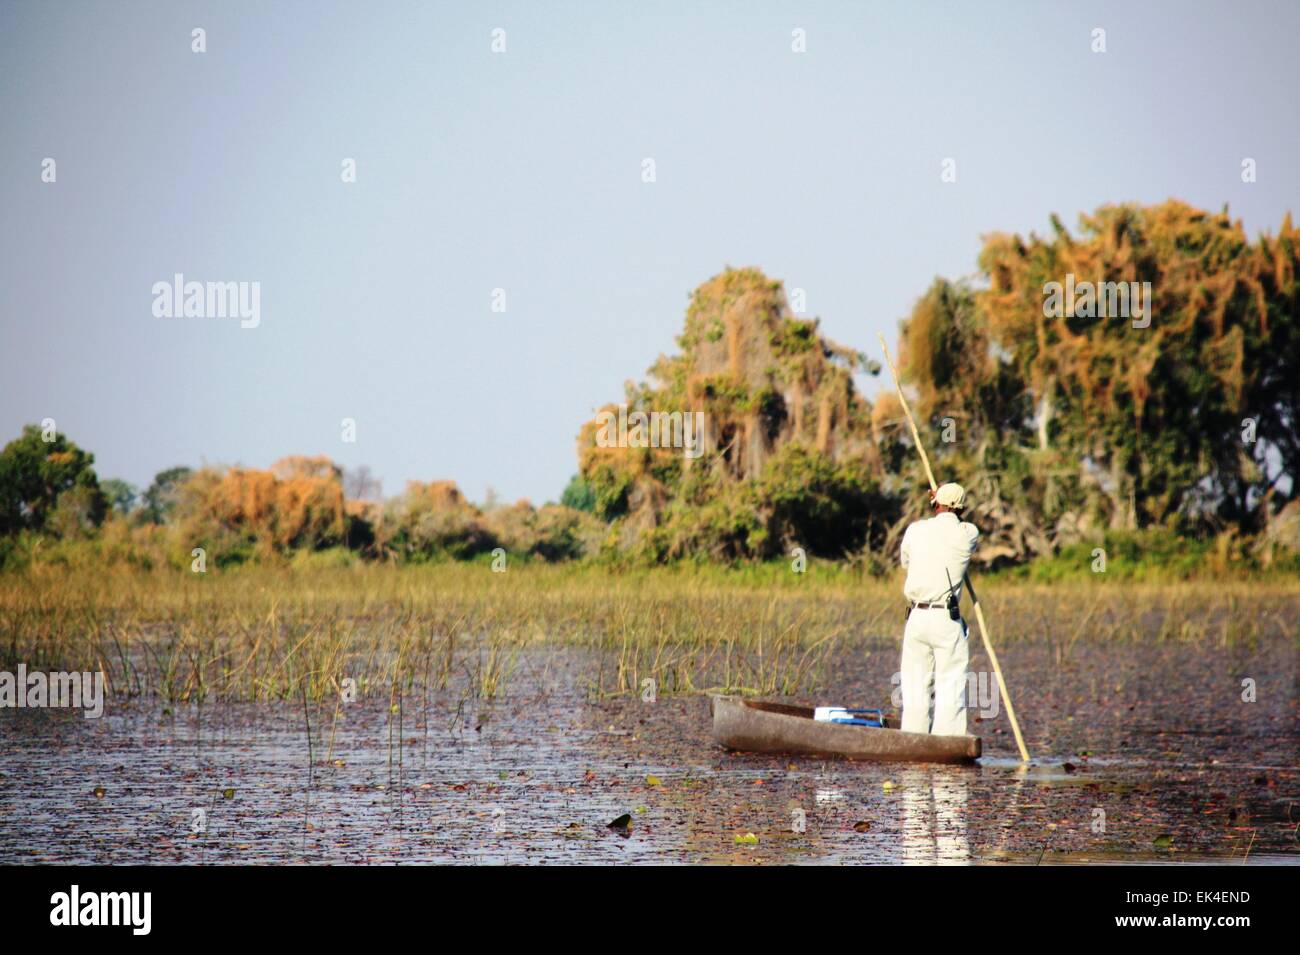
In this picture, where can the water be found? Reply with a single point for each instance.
(1142, 754)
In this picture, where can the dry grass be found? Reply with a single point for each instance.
(281, 633)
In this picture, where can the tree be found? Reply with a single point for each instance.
(751, 439)
(162, 496)
(121, 495)
(1072, 411)
(35, 473)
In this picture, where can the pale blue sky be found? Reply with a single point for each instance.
(522, 171)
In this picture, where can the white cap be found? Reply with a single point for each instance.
(950, 495)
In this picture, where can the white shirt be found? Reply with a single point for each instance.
(935, 551)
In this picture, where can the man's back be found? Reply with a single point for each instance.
(935, 551)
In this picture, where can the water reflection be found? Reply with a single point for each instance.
(933, 801)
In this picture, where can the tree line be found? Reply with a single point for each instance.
(1137, 375)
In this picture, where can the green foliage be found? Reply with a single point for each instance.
(331, 558)
(609, 487)
(579, 495)
(794, 336)
(725, 527)
(121, 495)
(15, 552)
(827, 508)
(801, 499)
(162, 496)
(721, 391)
(1127, 557)
(41, 479)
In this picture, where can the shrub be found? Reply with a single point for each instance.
(553, 532)
(242, 512)
(430, 521)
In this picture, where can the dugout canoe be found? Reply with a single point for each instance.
(755, 726)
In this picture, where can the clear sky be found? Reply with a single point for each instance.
(522, 170)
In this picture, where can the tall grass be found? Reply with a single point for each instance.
(285, 631)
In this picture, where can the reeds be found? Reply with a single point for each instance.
(259, 633)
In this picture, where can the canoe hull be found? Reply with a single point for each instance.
(754, 726)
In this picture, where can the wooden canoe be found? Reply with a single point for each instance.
(754, 726)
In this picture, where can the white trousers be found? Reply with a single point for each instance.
(935, 654)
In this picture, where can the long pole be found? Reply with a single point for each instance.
(979, 611)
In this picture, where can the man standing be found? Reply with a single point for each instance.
(936, 553)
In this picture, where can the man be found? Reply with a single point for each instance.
(936, 553)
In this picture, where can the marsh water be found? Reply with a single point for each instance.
(1142, 753)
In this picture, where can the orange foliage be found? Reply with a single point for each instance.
(435, 495)
(302, 509)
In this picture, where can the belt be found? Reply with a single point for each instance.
(930, 606)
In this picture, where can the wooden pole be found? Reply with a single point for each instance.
(979, 611)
